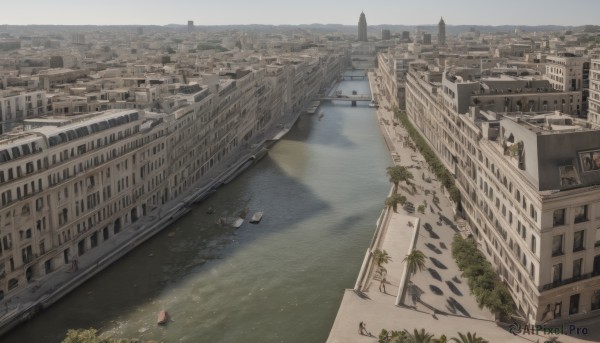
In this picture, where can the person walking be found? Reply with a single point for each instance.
(362, 329)
(382, 285)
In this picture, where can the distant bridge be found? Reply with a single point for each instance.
(358, 97)
(353, 77)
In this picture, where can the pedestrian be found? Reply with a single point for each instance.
(382, 285)
(362, 328)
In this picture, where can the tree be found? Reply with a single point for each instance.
(394, 200)
(418, 336)
(442, 339)
(381, 257)
(399, 174)
(468, 338)
(421, 209)
(415, 261)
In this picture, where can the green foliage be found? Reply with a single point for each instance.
(399, 174)
(436, 165)
(442, 339)
(468, 338)
(420, 336)
(89, 336)
(484, 283)
(415, 261)
(381, 257)
(394, 200)
(421, 209)
(391, 336)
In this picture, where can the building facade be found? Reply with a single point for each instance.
(594, 90)
(526, 176)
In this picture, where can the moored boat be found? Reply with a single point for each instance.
(237, 223)
(256, 218)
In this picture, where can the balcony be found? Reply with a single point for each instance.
(555, 284)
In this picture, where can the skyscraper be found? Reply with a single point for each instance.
(190, 25)
(441, 32)
(362, 27)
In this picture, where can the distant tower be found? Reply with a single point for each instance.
(190, 25)
(362, 27)
(386, 34)
(441, 32)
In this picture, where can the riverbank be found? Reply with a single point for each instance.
(437, 299)
(47, 290)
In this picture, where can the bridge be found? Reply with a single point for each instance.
(358, 97)
(353, 77)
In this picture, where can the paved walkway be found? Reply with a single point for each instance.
(439, 289)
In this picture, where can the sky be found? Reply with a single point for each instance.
(277, 12)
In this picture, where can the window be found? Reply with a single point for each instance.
(578, 241)
(580, 214)
(597, 244)
(574, 304)
(532, 271)
(557, 245)
(577, 268)
(557, 310)
(596, 269)
(559, 217)
(533, 244)
(557, 273)
(596, 300)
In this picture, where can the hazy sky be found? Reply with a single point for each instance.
(222, 12)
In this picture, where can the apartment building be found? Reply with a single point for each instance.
(527, 175)
(17, 105)
(594, 92)
(69, 184)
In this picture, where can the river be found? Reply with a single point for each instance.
(321, 189)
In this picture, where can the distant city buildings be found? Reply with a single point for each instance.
(362, 27)
(385, 34)
(190, 25)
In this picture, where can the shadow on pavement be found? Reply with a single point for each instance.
(453, 288)
(437, 263)
(434, 274)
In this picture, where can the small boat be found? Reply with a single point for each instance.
(163, 317)
(256, 217)
(237, 223)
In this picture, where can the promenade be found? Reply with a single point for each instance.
(436, 299)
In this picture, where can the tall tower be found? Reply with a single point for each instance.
(362, 27)
(441, 32)
(190, 25)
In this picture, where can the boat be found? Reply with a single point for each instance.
(163, 317)
(256, 217)
(373, 104)
(237, 223)
(321, 114)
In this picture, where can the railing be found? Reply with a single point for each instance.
(568, 281)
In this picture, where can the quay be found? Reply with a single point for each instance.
(437, 299)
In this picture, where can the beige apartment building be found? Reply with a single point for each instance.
(18, 105)
(594, 97)
(527, 174)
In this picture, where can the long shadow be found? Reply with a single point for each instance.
(434, 274)
(453, 288)
(433, 248)
(457, 306)
(433, 235)
(437, 263)
(443, 246)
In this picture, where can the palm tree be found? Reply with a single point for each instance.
(399, 174)
(418, 336)
(391, 336)
(442, 339)
(394, 200)
(415, 261)
(381, 256)
(468, 338)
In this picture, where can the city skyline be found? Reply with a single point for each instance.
(236, 12)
